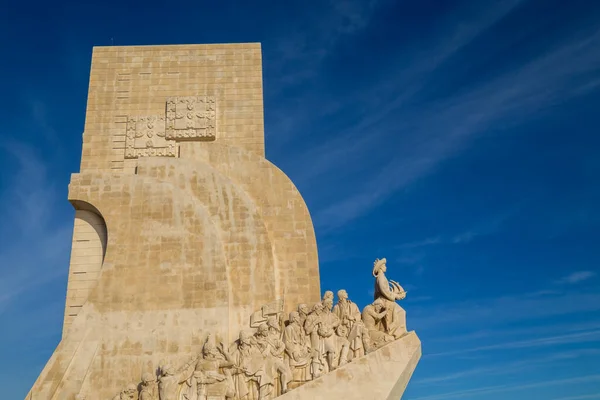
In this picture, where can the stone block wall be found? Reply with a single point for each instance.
(182, 227)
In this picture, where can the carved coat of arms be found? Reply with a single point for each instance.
(191, 117)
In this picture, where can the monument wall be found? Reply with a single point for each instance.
(182, 226)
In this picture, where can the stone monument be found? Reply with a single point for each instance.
(194, 272)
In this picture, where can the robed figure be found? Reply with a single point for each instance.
(390, 292)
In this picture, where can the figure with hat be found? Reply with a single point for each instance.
(390, 292)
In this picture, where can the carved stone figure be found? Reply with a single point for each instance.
(327, 295)
(129, 393)
(390, 292)
(250, 371)
(351, 326)
(148, 387)
(297, 348)
(206, 379)
(170, 381)
(372, 317)
(272, 350)
(311, 326)
(327, 324)
(302, 313)
(275, 325)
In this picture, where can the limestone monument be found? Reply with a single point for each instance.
(194, 272)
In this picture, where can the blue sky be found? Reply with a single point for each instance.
(456, 138)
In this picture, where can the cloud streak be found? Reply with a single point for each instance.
(511, 367)
(579, 337)
(428, 135)
(577, 277)
(499, 334)
(35, 245)
(509, 388)
(493, 312)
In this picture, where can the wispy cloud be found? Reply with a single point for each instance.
(511, 367)
(409, 259)
(497, 311)
(426, 136)
(577, 277)
(295, 59)
(508, 333)
(508, 388)
(39, 113)
(421, 243)
(579, 337)
(482, 228)
(297, 54)
(35, 244)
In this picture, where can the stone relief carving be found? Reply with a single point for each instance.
(145, 137)
(129, 393)
(211, 375)
(266, 312)
(389, 292)
(297, 350)
(351, 326)
(276, 355)
(148, 390)
(186, 118)
(192, 117)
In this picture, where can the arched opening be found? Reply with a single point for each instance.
(88, 249)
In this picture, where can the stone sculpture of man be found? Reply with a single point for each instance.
(328, 295)
(272, 348)
(148, 389)
(250, 368)
(328, 323)
(297, 347)
(273, 322)
(395, 319)
(372, 317)
(311, 326)
(302, 314)
(170, 379)
(207, 371)
(351, 326)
